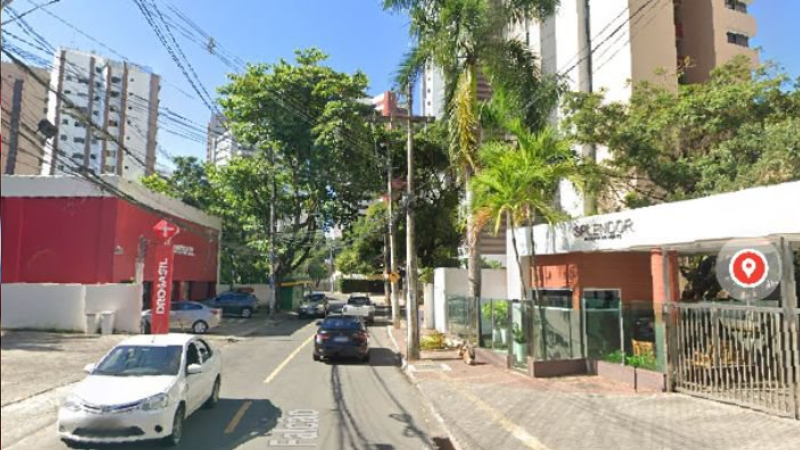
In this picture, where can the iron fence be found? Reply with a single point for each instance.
(744, 355)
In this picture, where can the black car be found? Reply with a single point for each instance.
(342, 337)
(241, 304)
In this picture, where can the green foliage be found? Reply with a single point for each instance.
(497, 311)
(313, 145)
(740, 129)
(364, 248)
(616, 357)
(433, 341)
(517, 334)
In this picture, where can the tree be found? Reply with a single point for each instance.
(519, 181)
(314, 162)
(740, 129)
(464, 39)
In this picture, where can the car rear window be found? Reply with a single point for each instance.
(341, 325)
(358, 301)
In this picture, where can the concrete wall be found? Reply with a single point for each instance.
(124, 299)
(43, 307)
(454, 282)
(64, 306)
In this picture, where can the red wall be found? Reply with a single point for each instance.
(629, 272)
(89, 241)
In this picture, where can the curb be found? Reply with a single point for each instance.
(428, 403)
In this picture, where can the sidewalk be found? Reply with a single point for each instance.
(487, 407)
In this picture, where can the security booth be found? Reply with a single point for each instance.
(624, 288)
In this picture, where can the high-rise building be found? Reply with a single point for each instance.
(222, 147)
(24, 106)
(106, 113)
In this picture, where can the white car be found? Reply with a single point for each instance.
(143, 389)
(360, 306)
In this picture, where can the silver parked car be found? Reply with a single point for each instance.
(187, 316)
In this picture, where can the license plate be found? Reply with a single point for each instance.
(341, 339)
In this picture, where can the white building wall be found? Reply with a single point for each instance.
(43, 307)
(433, 93)
(455, 282)
(124, 300)
(72, 127)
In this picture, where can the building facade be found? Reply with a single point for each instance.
(100, 238)
(106, 113)
(222, 147)
(24, 106)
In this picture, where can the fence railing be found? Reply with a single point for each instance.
(745, 355)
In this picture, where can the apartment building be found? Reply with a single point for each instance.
(24, 106)
(106, 113)
(222, 147)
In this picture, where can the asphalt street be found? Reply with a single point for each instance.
(271, 383)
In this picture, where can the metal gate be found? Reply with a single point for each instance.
(744, 355)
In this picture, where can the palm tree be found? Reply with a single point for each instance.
(466, 39)
(519, 181)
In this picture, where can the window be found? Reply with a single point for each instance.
(601, 298)
(64, 137)
(79, 124)
(83, 80)
(96, 113)
(192, 356)
(64, 121)
(69, 78)
(79, 140)
(67, 91)
(116, 80)
(93, 157)
(97, 98)
(113, 123)
(738, 39)
(114, 94)
(557, 298)
(97, 84)
(98, 69)
(204, 349)
(736, 5)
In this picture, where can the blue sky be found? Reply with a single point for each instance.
(357, 34)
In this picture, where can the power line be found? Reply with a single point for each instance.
(20, 16)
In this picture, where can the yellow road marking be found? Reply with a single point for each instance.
(289, 359)
(500, 419)
(238, 417)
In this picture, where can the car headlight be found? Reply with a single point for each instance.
(73, 403)
(155, 402)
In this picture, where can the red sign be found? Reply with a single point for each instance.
(162, 290)
(166, 230)
(749, 268)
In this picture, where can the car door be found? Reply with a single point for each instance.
(209, 374)
(194, 383)
(175, 316)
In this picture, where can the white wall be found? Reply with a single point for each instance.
(454, 282)
(64, 306)
(43, 307)
(125, 300)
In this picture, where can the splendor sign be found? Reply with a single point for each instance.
(614, 229)
(162, 286)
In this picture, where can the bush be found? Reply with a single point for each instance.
(433, 341)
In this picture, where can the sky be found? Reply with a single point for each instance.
(357, 34)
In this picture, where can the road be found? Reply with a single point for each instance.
(270, 378)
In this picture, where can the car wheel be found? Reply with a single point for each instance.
(174, 439)
(316, 358)
(71, 444)
(213, 400)
(200, 327)
(247, 313)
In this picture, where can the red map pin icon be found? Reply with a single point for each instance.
(749, 268)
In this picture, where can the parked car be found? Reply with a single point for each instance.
(185, 316)
(144, 389)
(341, 336)
(240, 304)
(314, 305)
(360, 306)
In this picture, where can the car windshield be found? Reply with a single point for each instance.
(359, 301)
(134, 361)
(341, 324)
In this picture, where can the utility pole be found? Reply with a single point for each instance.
(16, 111)
(273, 301)
(412, 352)
(395, 288)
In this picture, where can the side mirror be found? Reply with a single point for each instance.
(194, 369)
(89, 368)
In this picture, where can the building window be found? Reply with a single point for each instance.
(113, 123)
(67, 91)
(736, 5)
(116, 80)
(79, 140)
(97, 84)
(69, 78)
(83, 80)
(64, 121)
(93, 157)
(77, 155)
(97, 98)
(557, 298)
(64, 137)
(98, 69)
(79, 124)
(114, 94)
(739, 39)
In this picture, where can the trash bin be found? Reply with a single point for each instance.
(107, 322)
(92, 323)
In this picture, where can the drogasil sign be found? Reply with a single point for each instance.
(163, 286)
